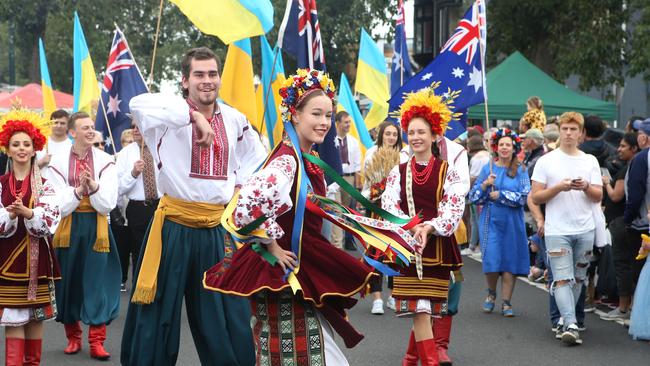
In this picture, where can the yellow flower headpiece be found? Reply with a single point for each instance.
(435, 109)
(29, 122)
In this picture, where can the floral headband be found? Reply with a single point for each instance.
(297, 87)
(435, 109)
(22, 120)
(505, 132)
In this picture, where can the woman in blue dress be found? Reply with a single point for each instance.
(502, 188)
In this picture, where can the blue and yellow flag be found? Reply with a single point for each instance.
(49, 104)
(85, 87)
(273, 76)
(237, 84)
(230, 20)
(372, 79)
(346, 103)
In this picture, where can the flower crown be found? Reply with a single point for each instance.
(505, 132)
(435, 109)
(23, 120)
(296, 87)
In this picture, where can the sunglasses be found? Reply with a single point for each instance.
(98, 144)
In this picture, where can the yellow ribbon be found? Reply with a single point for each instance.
(62, 235)
(187, 213)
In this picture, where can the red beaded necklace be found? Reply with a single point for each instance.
(420, 178)
(21, 190)
(313, 168)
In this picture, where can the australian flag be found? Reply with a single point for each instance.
(400, 70)
(299, 34)
(122, 81)
(459, 67)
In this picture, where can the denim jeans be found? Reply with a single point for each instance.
(554, 312)
(568, 256)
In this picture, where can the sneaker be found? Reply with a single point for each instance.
(590, 308)
(123, 287)
(558, 326)
(558, 332)
(466, 251)
(390, 303)
(616, 314)
(571, 335)
(377, 307)
(581, 327)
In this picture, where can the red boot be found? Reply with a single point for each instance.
(411, 357)
(14, 351)
(427, 352)
(441, 334)
(73, 333)
(33, 352)
(96, 338)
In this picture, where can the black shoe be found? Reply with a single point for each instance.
(571, 336)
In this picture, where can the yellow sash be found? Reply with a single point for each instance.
(192, 214)
(62, 235)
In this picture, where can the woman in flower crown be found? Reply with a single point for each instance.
(29, 214)
(429, 186)
(313, 298)
(502, 189)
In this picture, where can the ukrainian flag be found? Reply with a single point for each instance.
(358, 128)
(237, 84)
(85, 88)
(372, 79)
(230, 20)
(49, 104)
(273, 76)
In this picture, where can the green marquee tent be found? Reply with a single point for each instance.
(516, 79)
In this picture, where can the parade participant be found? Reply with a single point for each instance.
(58, 142)
(29, 214)
(89, 290)
(203, 149)
(350, 153)
(429, 185)
(138, 176)
(568, 181)
(502, 189)
(375, 171)
(293, 266)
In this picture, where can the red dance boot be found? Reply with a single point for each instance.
(33, 352)
(427, 352)
(96, 338)
(73, 333)
(441, 334)
(14, 351)
(411, 357)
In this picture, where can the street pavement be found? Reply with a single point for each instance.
(477, 338)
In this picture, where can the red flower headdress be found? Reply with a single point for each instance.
(435, 109)
(505, 132)
(296, 87)
(22, 120)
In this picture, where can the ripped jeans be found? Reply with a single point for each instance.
(569, 257)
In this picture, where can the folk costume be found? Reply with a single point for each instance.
(28, 266)
(185, 237)
(295, 313)
(89, 290)
(435, 189)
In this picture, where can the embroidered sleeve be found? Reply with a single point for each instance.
(8, 226)
(267, 193)
(68, 200)
(104, 199)
(46, 214)
(390, 199)
(452, 205)
(477, 195)
(518, 198)
(159, 111)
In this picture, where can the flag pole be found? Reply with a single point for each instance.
(108, 125)
(155, 45)
(268, 90)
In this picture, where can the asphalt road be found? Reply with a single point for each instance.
(477, 338)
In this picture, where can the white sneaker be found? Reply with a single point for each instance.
(377, 307)
(616, 314)
(390, 303)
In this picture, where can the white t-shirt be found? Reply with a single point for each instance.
(568, 213)
(477, 162)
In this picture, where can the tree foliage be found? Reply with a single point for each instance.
(53, 21)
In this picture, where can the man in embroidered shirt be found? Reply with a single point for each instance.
(89, 289)
(350, 152)
(203, 150)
